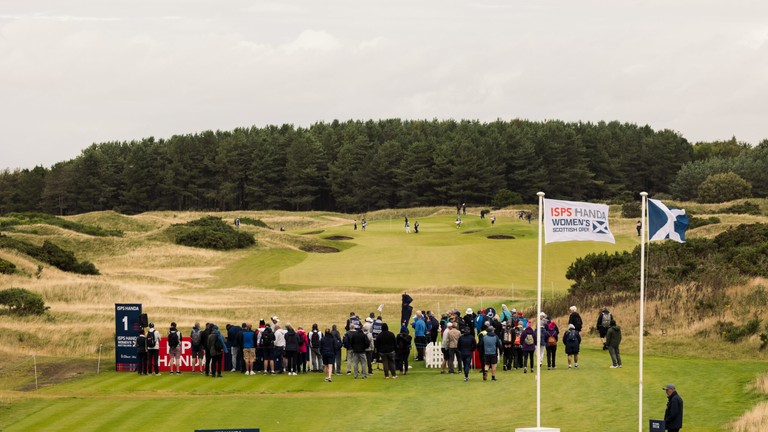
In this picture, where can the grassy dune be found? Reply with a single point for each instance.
(442, 267)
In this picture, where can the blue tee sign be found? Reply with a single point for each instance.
(127, 328)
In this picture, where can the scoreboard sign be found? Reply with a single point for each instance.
(127, 329)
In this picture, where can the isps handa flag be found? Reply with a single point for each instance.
(576, 221)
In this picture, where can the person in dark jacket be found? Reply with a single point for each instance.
(612, 341)
(552, 332)
(466, 347)
(572, 342)
(528, 342)
(673, 416)
(204, 341)
(575, 319)
(292, 342)
(358, 341)
(403, 350)
(141, 353)
(328, 347)
(603, 324)
(386, 344)
(267, 347)
(337, 357)
(217, 346)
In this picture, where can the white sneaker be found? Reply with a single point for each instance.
(614, 367)
(233, 370)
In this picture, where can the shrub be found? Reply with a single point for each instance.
(211, 232)
(7, 267)
(30, 218)
(51, 254)
(746, 207)
(734, 333)
(255, 222)
(506, 197)
(22, 302)
(723, 187)
(631, 210)
(694, 222)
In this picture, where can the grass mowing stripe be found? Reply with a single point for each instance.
(592, 396)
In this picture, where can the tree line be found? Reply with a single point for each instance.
(358, 166)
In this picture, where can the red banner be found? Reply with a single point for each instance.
(186, 360)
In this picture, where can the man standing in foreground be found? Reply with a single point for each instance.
(673, 416)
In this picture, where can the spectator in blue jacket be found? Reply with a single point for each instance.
(491, 347)
(420, 335)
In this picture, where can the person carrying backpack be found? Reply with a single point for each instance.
(174, 348)
(603, 324)
(268, 351)
(196, 337)
(517, 345)
(551, 336)
(528, 343)
(217, 347)
(572, 342)
(153, 349)
(315, 357)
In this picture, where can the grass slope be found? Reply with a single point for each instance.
(590, 398)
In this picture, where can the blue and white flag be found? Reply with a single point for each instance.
(666, 223)
(576, 221)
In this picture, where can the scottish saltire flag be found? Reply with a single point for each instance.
(576, 221)
(666, 223)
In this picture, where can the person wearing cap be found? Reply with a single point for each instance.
(521, 319)
(403, 350)
(153, 351)
(612, 341)
(491, 347)
(386, 344)
(575, 319)
(572, 342)
(359, 342)
(444, 349)
(469, 320)
(552, 335)
(673, 416)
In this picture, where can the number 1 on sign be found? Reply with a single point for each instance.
(125, 322)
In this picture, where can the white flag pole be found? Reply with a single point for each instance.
(644, 196)
(538, 315)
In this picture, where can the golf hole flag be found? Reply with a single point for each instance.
(666, 223)
(576, 221)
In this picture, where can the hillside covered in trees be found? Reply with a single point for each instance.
(359, 166)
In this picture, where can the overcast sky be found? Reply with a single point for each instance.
(78, 72)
